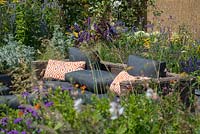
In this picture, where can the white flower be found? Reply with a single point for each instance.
(116, 110)
(117, 3)
(156, 33)
(149, 93)
(77, 104)
(141, 34)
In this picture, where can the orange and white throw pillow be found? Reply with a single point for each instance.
(122, 76)
(57, 69)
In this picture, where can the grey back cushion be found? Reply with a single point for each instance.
(91, 58)
(146, 67)
(96, 81)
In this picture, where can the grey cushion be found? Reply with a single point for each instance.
(4, 90)
(96, 81)
(55, 84)
(11, 100)
(91, 58)
(146, 67)
(5, 79)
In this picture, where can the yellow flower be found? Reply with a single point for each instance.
(183, 74)
(83, 88)
(67, 33)
(175, 38)
(75, 34)
(147, 43)
(2, 2)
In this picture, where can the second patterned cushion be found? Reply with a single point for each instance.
(123, 76)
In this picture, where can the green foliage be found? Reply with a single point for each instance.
(12, 54)
(56, 47)
(23, 78)
(29, 20)
(140, 115)
(131, 12)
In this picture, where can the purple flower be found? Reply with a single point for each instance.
(35, 88)
(32, 111)
(25, 94)
(4, 121)
(48, 104)
(191, 65)
(88, 22)
(87, 36)
(113, 30)
(2, 130)
(18, 120)
(28, 123)
(77, 28)
(27, 110)
(13, 132)
(23, 132)
(95, 26)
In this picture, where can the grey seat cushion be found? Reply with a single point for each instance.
(96, 81)
(90, 57)
(5, 79)
(4, 90)
(11, 100)
(146, 67)
(55, 84)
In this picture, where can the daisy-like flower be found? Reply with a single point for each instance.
(150, 94)
(77, 104)
(116, 110)
(117, 3)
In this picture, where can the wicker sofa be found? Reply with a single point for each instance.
(158, 76)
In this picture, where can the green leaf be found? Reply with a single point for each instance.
(58, 126)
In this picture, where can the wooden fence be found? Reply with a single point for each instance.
(178, 13)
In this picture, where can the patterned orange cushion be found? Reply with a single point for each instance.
(123, 76)
(57, 69)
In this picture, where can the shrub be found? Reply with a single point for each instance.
(56, 47)
(12, 54)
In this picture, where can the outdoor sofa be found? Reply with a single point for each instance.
(98, 75)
